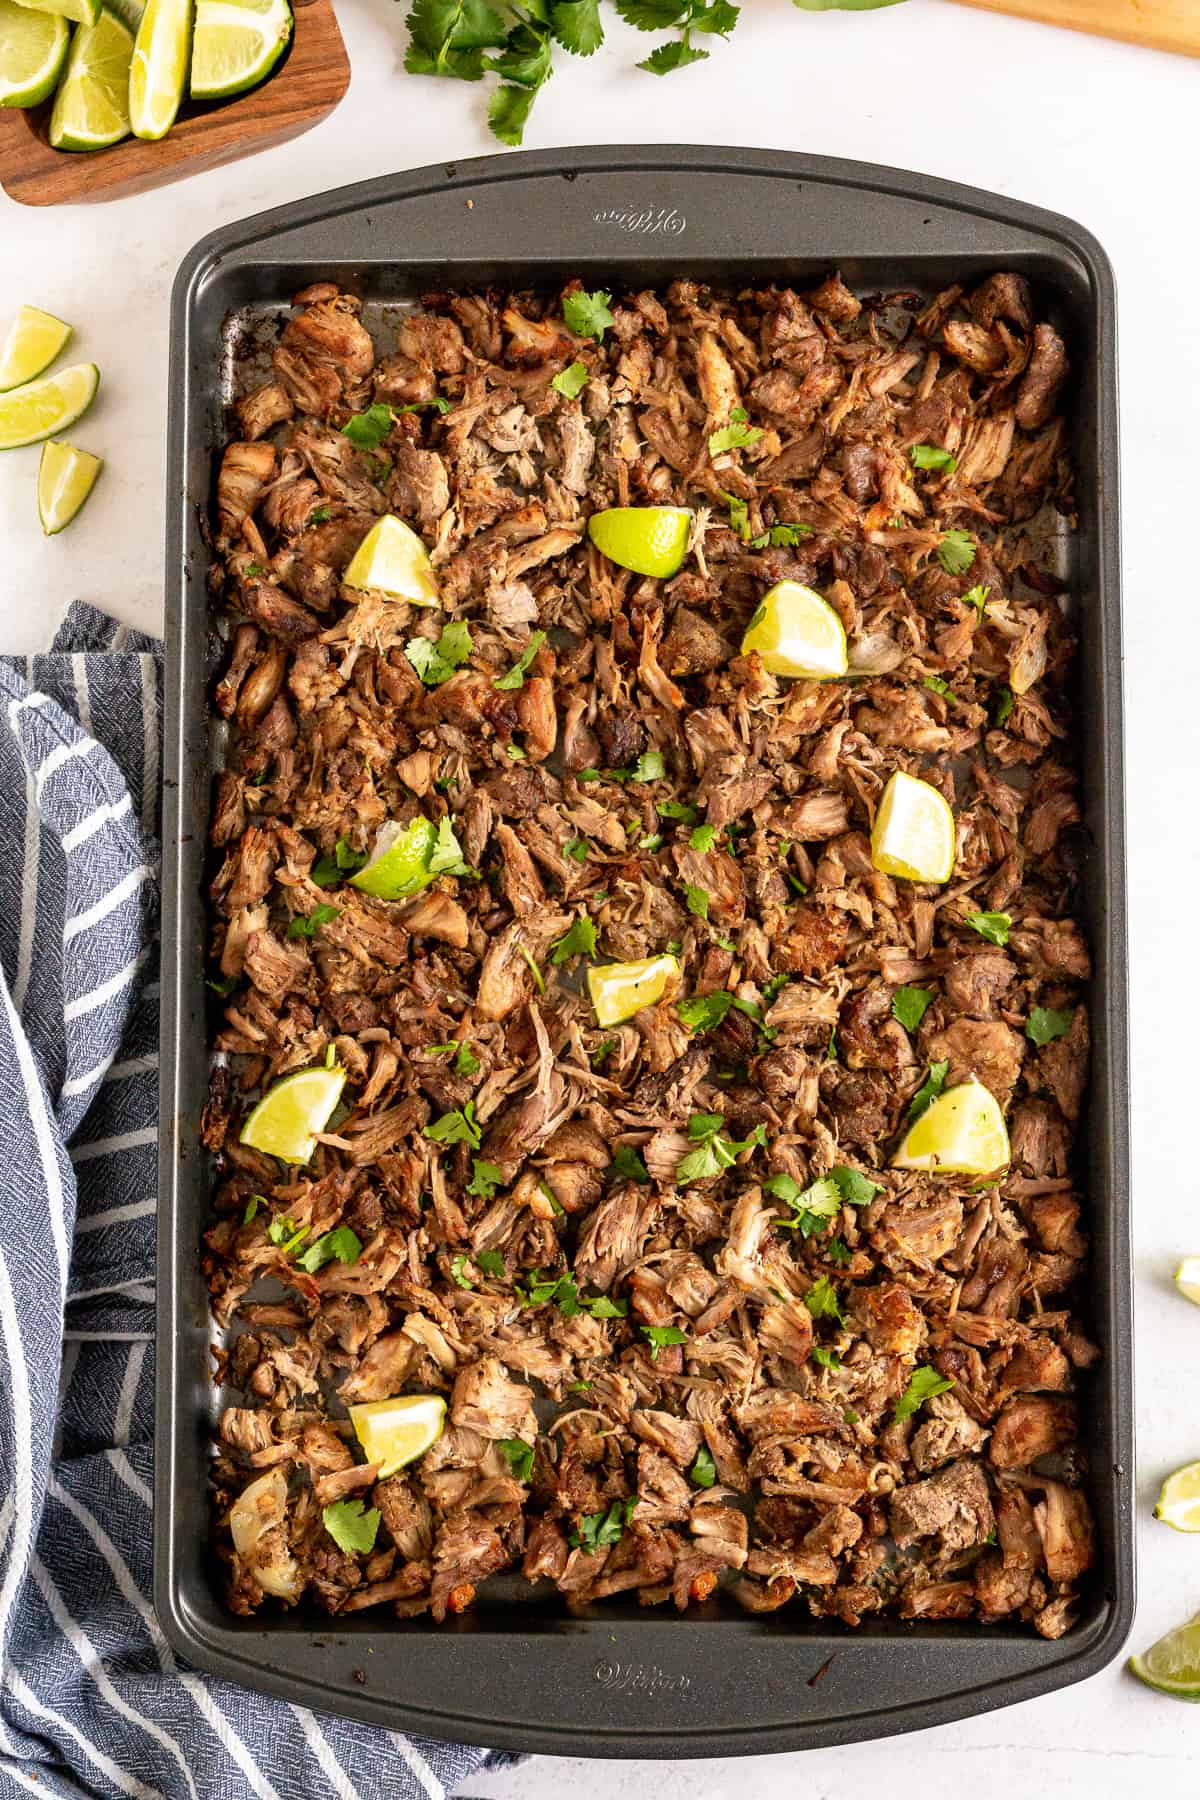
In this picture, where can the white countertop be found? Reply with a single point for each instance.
(1100, 131)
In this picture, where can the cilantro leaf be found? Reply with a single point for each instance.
(486, 1177)
(828, 1359)
(652, 15)
(577, 847)
(341, 1242)
(518, 1455)
(627, 1165)
(490, 1261)
(675, 809)
(783, 1187)
(252, 1206)
(715, 1151)
(956, 552)
(319, 515)
(601, 1307)
(932, 456)
(508, 112)
(457, 1127)
(448, 35)
(923, 1384)
(704, 1012)
(994, 926)
(571, 381)
(602, 1052)
(703, 838)
(436, 662)
(649, 767)
(515, 678)
(1004, 706)
(976, 597)
(855, 1188)
(664, 60)
(301, 927)
(367, 430)
(737, 435)
(822, 1300)
(781, 537)
(704, 1470)
(587, 315)
(458, 1272)
(697, 900)
(929, 1090)
(580, 940)
(660, 1336)
(576, 25)
(598, 1530)
(438, 404)
(838, 1253)
(350, 1526)
(1045, 1023)
(909, 1004)
(937, 685)
(285, 1233)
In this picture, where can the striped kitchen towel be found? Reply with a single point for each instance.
(92, 1700)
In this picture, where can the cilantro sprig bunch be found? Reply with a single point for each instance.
(468, 39)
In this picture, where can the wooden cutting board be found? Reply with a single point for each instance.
(1157, 24)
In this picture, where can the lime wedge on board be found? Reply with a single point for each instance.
(33, 48)
(236, 45)
(1173, 1664)
(91, 107)
(66, 477)
(159, 71)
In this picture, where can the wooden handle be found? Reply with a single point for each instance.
(1157, 24)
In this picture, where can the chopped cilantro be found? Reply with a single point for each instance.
(577, 848)
(660, 1336)
(466, 1062)
(737, 435)
(367, 430)
(675, 809)
(703, 838)
(704, 1470)
(436, 662)
(341, 1243)
(458, 1271)
(319, 516)
(1045, 1023)
(994, 926)
(838, 1253)
(457, 1127)
(923, 1384)
(697, 900)
(929, 1090)
(596, 1531)
(828, 1359)
(519, 1457)
(446, 857)
(439, 404)
(932, 456)
(580, 940)
(350, 1526)
(956, 552)
(649, 767)
(490, 1261)
(822, 1300)
(486, 1177)
(587, 315)
(286, 1234)
(252, 1206)
(515, 678)
(781, 537)
(602, 1052)
(579, 1387)
(936, 685)
(715, 1152)
(976, 597)
(628, 1165)
(1004, 706)
(704, 1012)
(909, 1004)
(301, 927)
(571, 381)
(601, 1307)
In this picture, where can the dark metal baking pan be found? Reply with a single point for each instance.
(521, 1672)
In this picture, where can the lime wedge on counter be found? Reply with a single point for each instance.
(91, 107)
(34, 338)
(287, 1118)
(797, 633)
(650, 540)
(83, 12)
(399, 862)
(236, 45)
(1173, 1664)
(393, 1433)
(618, 990)
(913, 835)
(392, 560)
(158, 73)
(33, 47)
(962, 1132)
(1187, 1279)
(40, 408)
(1179, 1499)
(66, 477)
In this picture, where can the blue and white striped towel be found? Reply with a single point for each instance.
(92, 1700)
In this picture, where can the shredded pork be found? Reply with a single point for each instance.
(696, 1416)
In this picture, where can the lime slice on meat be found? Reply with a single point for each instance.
(1173, 1664)
(1179, 1499)
(393, 1433)
(399, 862)
(392, 560)
(650, 540)
(40, 408)
(66, 477)
(83, 12)
(913, 835)
(236, 45)
(91, 107)
(158, 73)
(1187, 1279)
(962, 1132)
(289, 1115)
(797, 633)
(33, 48)
(618, 990)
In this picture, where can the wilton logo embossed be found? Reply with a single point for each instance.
(651, 221)
(639, 1678)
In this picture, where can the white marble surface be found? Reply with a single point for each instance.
(1100, 131)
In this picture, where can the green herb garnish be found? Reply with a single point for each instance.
(956, 552)
(909, 1005)
(1045, 1023)
(994, 926)
(923, 1384)
(350, 1526)
(571, 381)
(515, 678)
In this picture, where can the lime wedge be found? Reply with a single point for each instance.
(40, 408)
(84, 12)
(913, 834)
(287, 1118)
(1179, 1499)
(797, 633)
(394, 1433)
(34, 338)
(236, 45)
(1187, 1279)
(962, 1132)
(1173, 1664)
(650, 540)
(66, 477)
(618, 990)
(33, 48)
(400, 862)
(392, 560)
(91, 107)
(158, 73)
